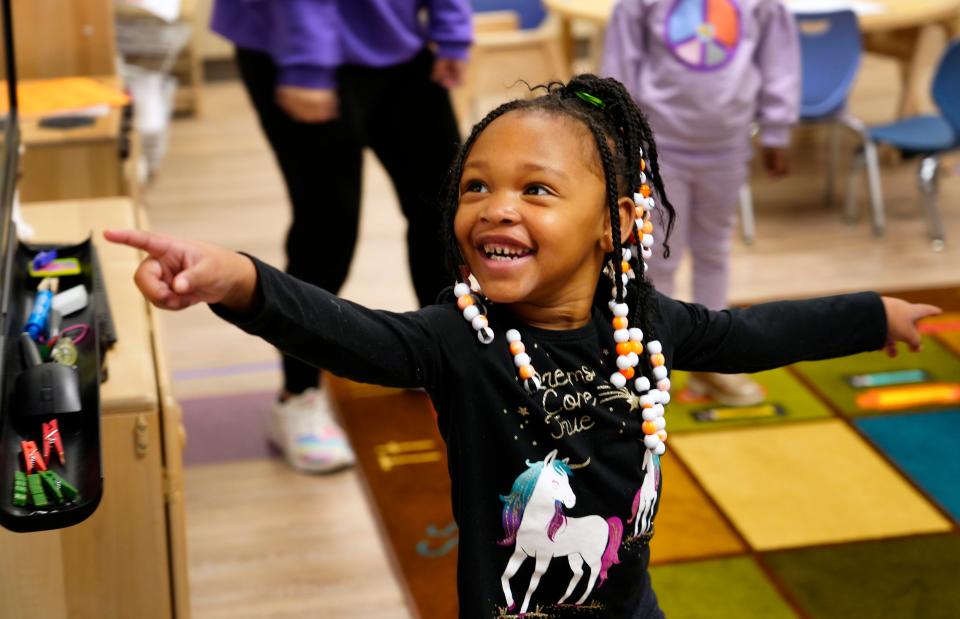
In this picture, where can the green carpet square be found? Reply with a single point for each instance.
(718, 589)
(830, 377)
(784, 392)
(911, 578)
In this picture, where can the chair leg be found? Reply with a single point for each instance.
(927, 177)
(747, 227)
(876, 190)
(851, 210)
(833, 156)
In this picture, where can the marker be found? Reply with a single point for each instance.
(890, 398)
(43, 258)
(40, 314)
(763, 411)
(887, 379)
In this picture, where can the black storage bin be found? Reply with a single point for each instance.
(80, 430)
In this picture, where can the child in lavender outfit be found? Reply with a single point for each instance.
(703, 72)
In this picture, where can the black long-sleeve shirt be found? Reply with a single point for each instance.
(505, 445)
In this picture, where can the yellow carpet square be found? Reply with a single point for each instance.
(807, 483)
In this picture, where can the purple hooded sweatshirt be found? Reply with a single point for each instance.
(704, 70)
(309, 39)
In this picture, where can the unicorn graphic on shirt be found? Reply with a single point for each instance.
(535, 523)
(645, 500)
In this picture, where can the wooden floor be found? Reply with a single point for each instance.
(265, 542)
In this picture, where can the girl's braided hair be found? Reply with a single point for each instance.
(607, 110)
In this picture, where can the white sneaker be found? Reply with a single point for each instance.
(302, 427)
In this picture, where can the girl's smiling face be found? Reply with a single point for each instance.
(532, 222)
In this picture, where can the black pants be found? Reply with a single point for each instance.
(408, 121)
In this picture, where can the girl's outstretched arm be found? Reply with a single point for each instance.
(178, 273)
(302, 320)
(769, 335)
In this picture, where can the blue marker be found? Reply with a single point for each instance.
(43, 259)
(40, 314)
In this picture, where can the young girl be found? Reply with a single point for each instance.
(704, 73)
(549, 393)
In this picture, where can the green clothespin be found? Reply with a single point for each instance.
(35, 486)
(59, 486)
(52, 485)
(19, 489)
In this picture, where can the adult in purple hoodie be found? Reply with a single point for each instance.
(328, 78)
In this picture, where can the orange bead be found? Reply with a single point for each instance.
(465, 301)
(649, 428)
(620, 322)
(648, 227)
(624, 348)
(639, 212)
(657, 359)
(643, 165)
(645, 190)
(662, 434)
(637, 347)
(627, 373)
(516, 348)
(624, 266)
(526, 371)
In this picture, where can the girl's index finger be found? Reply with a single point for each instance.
(154, 244)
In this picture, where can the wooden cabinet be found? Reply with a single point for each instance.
(128, 559)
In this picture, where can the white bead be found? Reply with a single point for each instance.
(618, 380)
(638, 199)
(470, 312)
(461, 289)
(651, 441)
(654, 347)
(513, 335)
(651, 204)
(521, 360)
(664, 385)
(624, 278)
(479, 322)
(666, 397)
(655, 394)
(627, 254)
(659, 423)
(646, 266)
(660, 372)
(647, 240)
(623, 362)
(634, 359)
(643, 177)
(631, 274)
(660, 449)
(621, 335)
(636, 334)
(658, 410)
(621, 309)
(665, 434)
(647, 254)
(485, 335)
(642, 384)
(649, 414)
(646, 400)
(612, 304)
(613, 292)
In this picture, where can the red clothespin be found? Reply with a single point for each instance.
(31, 457)
(51, 437)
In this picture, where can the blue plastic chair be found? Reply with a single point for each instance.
(830, 54)
(927, 137)
(531, 12)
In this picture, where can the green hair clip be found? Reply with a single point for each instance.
(586, 96)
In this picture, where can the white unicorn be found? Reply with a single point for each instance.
(645, 500)
(533, 520)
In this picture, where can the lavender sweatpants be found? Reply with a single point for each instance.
(705, 191)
